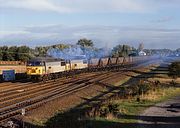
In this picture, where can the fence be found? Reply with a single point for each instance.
(12, 63)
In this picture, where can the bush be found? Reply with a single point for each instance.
(109, 108)
(143, 87)
(174, 69)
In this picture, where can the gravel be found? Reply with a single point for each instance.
(162, 115)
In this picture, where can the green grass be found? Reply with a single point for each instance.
(133, 107)
(169, 93)
(115, 120)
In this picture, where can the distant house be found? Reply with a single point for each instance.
(177, 54)
(142, 53)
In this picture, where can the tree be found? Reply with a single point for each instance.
(13, 53)
(41, 51)
(122, 50)
(23, 53)
(5, 53)
(174, 69)
(1, 54)
(178, 50)
(141, 47)
(60, 46)
(85, 42)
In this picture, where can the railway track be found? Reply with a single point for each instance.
(40, 90)
(34, 95)
(22, 86)
(34, 91)
(11, 107)
(26, 86)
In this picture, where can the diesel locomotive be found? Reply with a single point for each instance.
(47, 67)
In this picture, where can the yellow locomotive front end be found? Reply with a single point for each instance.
(35, 69)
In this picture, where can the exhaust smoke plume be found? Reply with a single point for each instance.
(78, 52)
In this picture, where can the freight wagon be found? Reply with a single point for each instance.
(18, 67)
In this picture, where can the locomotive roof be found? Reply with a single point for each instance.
(46, 59)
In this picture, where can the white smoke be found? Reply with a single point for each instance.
(78, 52)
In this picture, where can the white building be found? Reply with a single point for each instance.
(142, 53)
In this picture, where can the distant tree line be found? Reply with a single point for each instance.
(162, 52)
(14, 53)
(24, 53)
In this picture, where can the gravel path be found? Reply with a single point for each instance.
(162, 115)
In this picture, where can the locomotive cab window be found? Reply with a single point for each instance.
(35, 63)
(67, 61)
(38, 63)
(30, 63)
(84, 61)
(63, 63)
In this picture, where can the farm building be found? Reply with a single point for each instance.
(142, 53)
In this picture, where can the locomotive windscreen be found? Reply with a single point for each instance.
(35, 63)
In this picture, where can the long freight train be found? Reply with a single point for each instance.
(43, 68)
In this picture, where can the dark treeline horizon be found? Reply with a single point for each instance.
(24, 53)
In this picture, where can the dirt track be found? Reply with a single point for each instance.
(162, 115)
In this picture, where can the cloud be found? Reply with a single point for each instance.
(66, 6)
(105, 5)
(101, 35)
(167, 3)
(36, 5)
(163, 19)
(90, 6)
